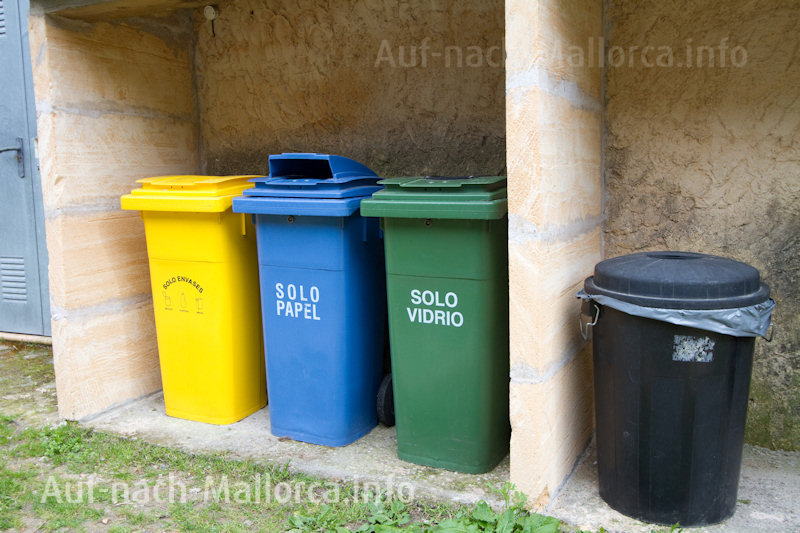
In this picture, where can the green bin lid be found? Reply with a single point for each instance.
(456, 197)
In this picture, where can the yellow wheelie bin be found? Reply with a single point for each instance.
(204, 275)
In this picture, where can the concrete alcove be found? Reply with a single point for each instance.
(127, 89)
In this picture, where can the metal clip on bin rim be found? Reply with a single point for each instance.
(770, 333)
(585, 331)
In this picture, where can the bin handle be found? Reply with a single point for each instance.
(448, 178)
(585, 332)
(244, 224)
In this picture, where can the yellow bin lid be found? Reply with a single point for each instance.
(204, 194)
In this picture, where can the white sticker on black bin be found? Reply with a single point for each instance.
(693, 349)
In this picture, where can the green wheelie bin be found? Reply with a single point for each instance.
(447, 286)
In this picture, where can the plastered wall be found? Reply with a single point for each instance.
(115, 102)
(554, 136)
(707, 159)
(377, 81)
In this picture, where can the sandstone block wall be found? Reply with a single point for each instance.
(706, 158)
(554, 138)
(114, 103)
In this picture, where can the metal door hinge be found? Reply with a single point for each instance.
(20, 160)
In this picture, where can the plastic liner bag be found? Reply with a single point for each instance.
(749, 321)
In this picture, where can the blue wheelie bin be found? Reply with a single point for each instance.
(323, 295)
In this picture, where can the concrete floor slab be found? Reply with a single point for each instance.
(768, 497)
(769, 490)
(371, 459)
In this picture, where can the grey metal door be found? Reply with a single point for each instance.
(23, 261)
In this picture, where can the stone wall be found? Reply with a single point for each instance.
(554, 136)
(706, 158)
(406, 88)
(114, 103)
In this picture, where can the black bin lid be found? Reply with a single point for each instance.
(678, 280)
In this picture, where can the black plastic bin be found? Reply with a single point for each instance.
(673, 336)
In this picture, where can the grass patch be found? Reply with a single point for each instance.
(74, 478)
(27, 381)
(12, 485)
(72, 510)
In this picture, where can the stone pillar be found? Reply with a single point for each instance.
(554, 154)
(114, 103)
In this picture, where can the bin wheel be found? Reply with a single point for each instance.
(386, 402)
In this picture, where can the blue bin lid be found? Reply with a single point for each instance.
(309, 184)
